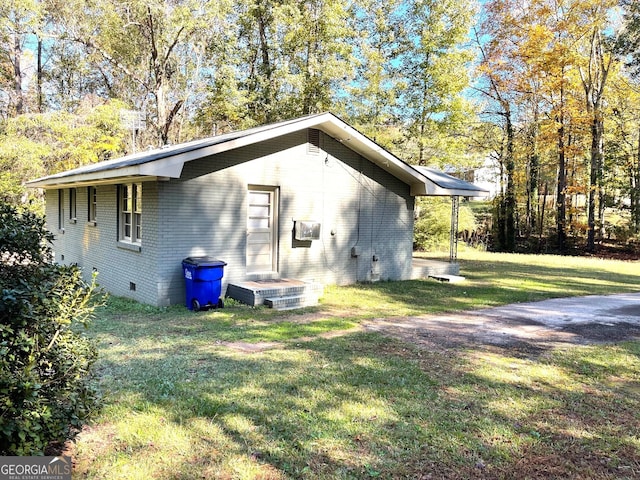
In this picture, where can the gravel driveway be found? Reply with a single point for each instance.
(524, 326)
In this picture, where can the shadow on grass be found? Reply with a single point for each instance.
(179, 405)
(569, 414)
(488, 284)
(222, 326)
(365, 406)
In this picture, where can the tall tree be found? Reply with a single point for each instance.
(557, 55)
(628, 42)
(260, 38)
(624, 145)
(320, 37)
(18, 22)
(151, 53)
(498, 57)
(433, 67)
(373, 96)
(594, 65)
(290, 58)
(34, 145)
(554, 57)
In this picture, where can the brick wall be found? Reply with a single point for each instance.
(205, 213)
(358, 205)
(128, 272)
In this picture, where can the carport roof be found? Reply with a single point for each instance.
(446, 184)
(167, 162)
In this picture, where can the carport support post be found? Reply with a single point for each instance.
(453, 236)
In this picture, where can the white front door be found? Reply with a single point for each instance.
(262, 230)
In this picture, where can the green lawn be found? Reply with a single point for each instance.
(328, 400)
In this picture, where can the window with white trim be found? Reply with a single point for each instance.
(131, 213)
(92, 196)
(60, 209)
(73, 193)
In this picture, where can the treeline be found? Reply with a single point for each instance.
(195, 68)
(563, 112)
(556, 106)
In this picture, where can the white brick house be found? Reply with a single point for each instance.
(238, 197)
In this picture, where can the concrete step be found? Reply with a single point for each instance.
(425, 268)
(277, 293)
(289, 302)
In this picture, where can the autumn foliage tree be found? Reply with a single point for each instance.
(399, 71)
(546, 67)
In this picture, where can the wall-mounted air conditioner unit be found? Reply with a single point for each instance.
(307, 230)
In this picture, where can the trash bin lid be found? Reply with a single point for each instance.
(204, 261)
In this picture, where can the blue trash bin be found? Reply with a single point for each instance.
(203, 282)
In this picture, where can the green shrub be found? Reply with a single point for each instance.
(433, 225)
(45, 361)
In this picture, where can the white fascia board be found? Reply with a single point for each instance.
(165, 167)
(172, 165)
(55, 182)
(430, 189)
(75, 182)
(328, 123)
(243, 141)
(169, 167)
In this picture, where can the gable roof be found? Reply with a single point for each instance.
(167, 162)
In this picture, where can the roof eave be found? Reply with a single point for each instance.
(430, 189)
(168, 167)
(171, 164)
(164, 168)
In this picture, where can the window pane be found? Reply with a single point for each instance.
(258, 211)
(126, 198)
(131, 212)
(60, 209)
(258, 222)
(134, 198)
(127, 225)
(72, 203)
(137, 206)
(92, 193)
(259, 198)
(138, 218)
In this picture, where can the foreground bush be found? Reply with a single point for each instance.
(45, 362)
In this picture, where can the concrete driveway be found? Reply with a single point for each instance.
(576, 320)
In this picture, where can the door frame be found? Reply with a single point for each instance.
(274, 193)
